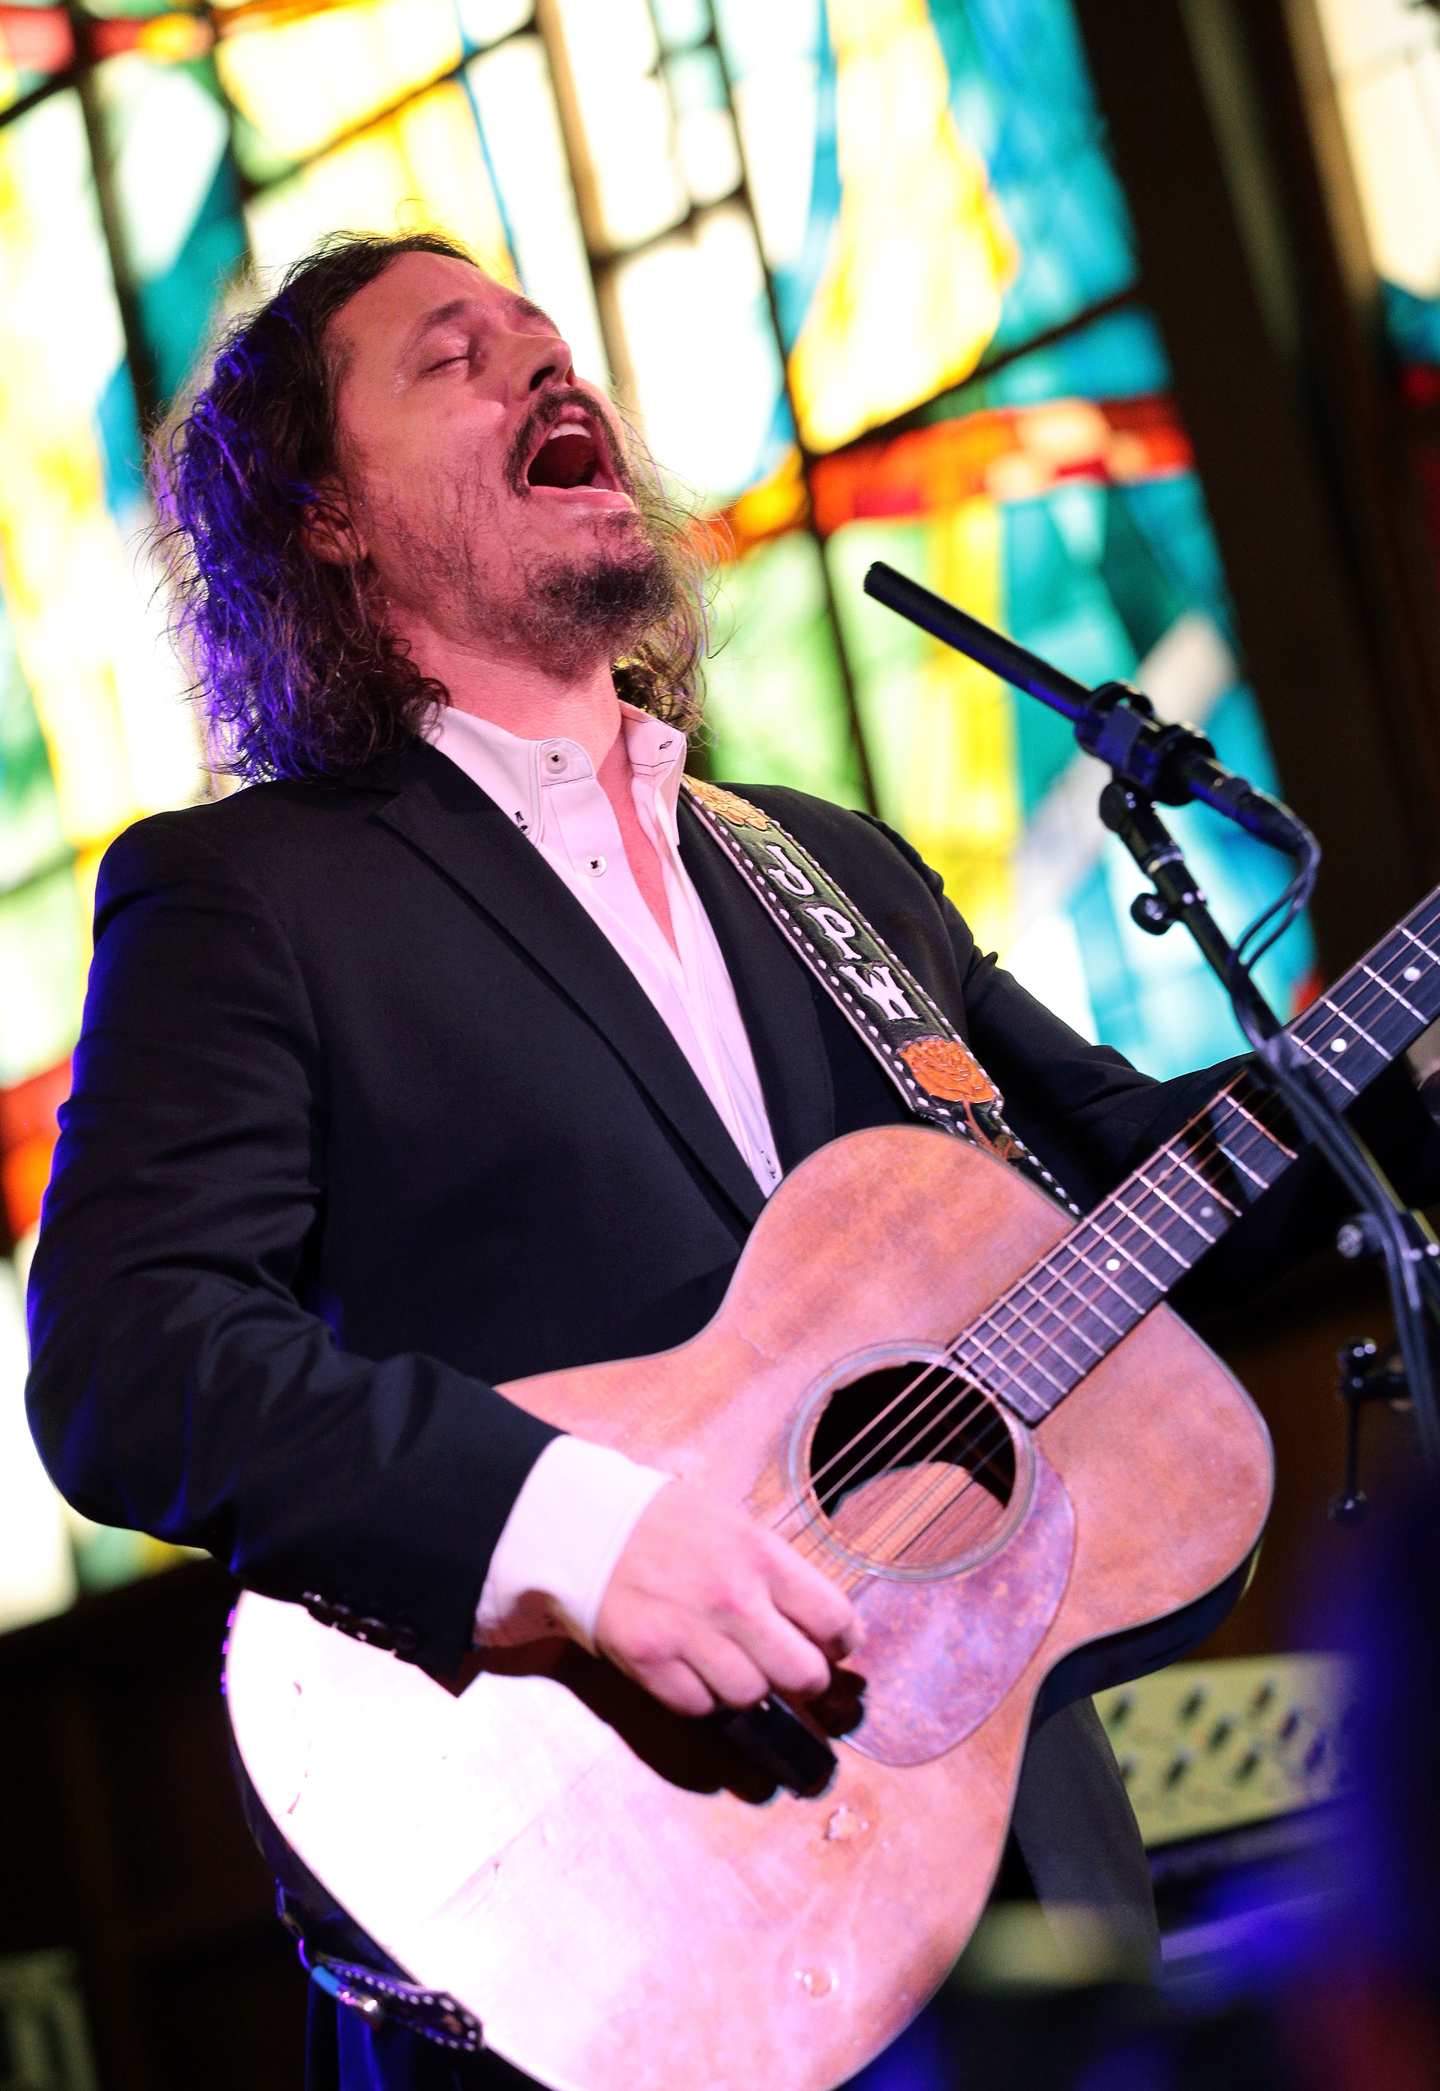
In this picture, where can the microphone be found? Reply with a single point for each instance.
(1115, 723)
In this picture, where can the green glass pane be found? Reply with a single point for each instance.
(31, 834)
(775, 699)
(886, 654)
(44, 953)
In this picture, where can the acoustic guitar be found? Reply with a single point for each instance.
(978, 1417)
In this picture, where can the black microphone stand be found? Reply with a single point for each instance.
(1150, 760)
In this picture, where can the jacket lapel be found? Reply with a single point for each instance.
(774, 994)
(441, 813)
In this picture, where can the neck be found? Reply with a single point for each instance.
(519, 694)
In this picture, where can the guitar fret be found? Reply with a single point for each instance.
(1009, 1388)
(1104, 1277)
(1088, 1305)
(1180, 1213)
(1030, 1357)
(1420, 944)
(1110, 1286)
(1208, 1187)
(1263, 1130)
(1326, 1066)
(1159, 1240)
(1381, 982)
(1125, 1260)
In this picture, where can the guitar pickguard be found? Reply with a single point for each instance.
(939, 1656)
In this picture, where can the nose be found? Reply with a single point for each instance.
(539, 360)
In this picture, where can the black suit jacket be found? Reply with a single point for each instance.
(368, 1115)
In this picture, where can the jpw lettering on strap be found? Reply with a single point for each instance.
(836, 929)
(876, 982)
(786, 874)
(904, 1029)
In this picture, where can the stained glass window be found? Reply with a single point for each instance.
(1385, 59)
(862, 273)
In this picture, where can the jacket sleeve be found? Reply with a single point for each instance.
(1092, 1118)
(178, 1384)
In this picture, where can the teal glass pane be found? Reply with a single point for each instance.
(178, 200)
(1021, 95)
(1118, 357)
(1413, 324)
(775, 699)
(1153, 998)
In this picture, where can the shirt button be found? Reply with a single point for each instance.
(557, 760)
(594, 865)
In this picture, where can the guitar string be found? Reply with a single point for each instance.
(1325, 1009)
(1053, 1276)
(984, 1450)
(1376, 990)
(982, 1454)
(1330, 1007)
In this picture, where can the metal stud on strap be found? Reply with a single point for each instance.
(431, 2012)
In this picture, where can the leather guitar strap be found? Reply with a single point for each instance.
(906, 1031)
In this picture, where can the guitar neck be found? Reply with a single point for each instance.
(1053, 1326)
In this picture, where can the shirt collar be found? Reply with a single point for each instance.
(515, 774)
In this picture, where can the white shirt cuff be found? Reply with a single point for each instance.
(557, 1552)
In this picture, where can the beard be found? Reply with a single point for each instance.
(562, 614)
(572, 613)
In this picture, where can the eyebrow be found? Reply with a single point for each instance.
(455, 308)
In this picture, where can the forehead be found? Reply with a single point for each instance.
(420, 290)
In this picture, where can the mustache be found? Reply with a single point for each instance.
(546, 412)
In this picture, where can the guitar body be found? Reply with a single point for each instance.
(625, 1906)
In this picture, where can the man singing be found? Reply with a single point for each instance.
(454, 1050)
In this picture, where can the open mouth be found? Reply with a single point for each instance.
(571, 455)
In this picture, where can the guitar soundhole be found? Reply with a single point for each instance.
(914, 1472)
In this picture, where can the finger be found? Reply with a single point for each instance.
(790, 1659)
(811, 1601)
(725, 1668)
(676, 1685)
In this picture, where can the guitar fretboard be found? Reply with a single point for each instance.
(1055, 1324)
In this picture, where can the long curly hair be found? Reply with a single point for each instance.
(288, 659)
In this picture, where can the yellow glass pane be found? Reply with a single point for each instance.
(1385, 56)
(302, 82)
(631, 186)
(960, 803)
(697, 334)
(920, 254)
(105, 694)
(516, 101)
(422, 168)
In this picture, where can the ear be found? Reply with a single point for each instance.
(329, 528)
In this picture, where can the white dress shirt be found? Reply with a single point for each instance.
(580, 1502)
